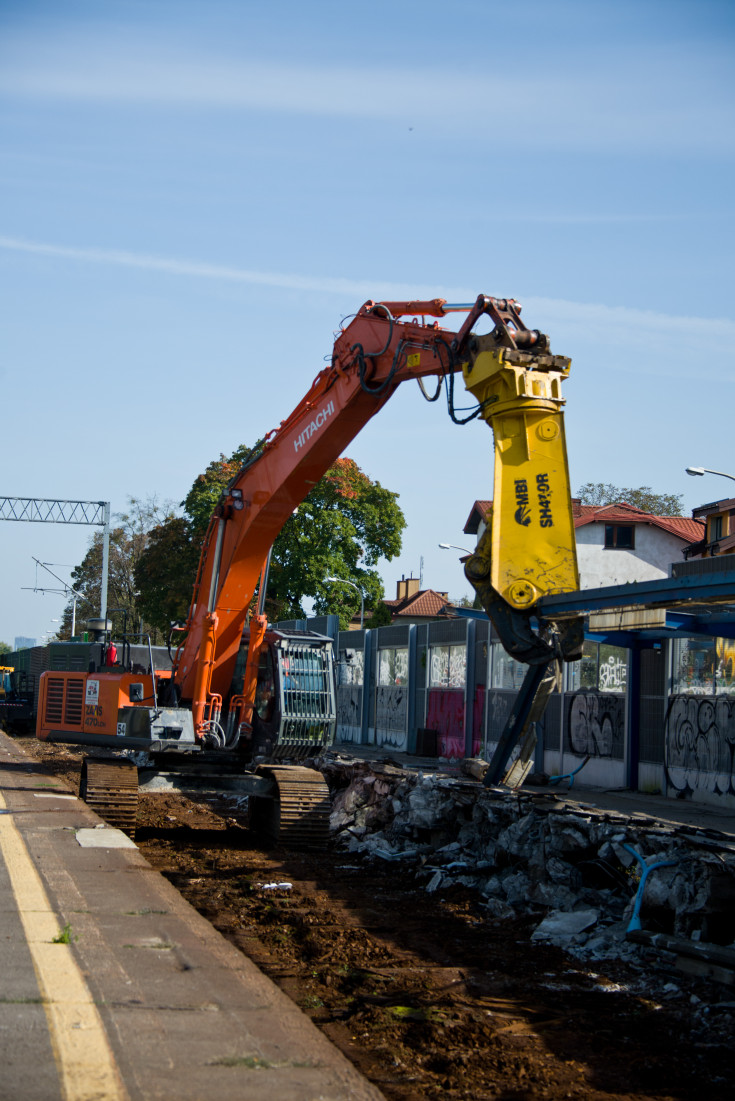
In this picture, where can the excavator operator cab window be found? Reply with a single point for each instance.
(265, 693)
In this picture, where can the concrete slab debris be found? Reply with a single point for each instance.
(103, 837)
(537, 853)
(561, 926)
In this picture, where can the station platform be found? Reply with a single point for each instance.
(114, 989)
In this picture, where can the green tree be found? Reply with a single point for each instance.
(658, 504)
(381, 617)
(5, 648)
(201, 499)
(166, 571)
(341, 529)
(128, 540)
(466, 601)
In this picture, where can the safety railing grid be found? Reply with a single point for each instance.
(308, 706)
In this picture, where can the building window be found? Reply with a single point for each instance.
(621, 536)
(704, 667)
(392, 667)
(448, 666)
(351, 666)
(715, 528)
(507, 672)
(603, 668)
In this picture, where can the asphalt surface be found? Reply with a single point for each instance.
(114, 989)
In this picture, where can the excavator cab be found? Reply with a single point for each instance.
(295, 711)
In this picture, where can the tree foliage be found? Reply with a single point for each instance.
(381, 617)
(658, 504)
(199, 503)
(341, 529)
(5, 648)
(466, 601)
(128, 540)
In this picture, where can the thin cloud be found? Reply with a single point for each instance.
(596, 318)
(589, 318)
(665, 94)
(598, 219)
(194, 268)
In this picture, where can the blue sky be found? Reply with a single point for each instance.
(194, 194)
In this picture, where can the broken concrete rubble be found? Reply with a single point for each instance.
(537, 854)
(561, 926)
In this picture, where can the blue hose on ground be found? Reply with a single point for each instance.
(646, 869)
(569, 775)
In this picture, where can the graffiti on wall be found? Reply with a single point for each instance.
(390, 717)
(445, 713)
(596, 725)
(700, 745)
(613, 674)
(448, 666)
(349, 712)
(498, 712)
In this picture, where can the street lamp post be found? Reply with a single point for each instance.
(698, 471)
(343, 581)
(453, 546)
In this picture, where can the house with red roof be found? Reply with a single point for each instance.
(617, 543)
(415, 605)
(718, 529)
(412, 604)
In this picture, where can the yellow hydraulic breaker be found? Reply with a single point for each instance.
(532, 547)
(528, 550)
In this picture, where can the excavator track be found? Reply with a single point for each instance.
(298, 816)
(110, 788)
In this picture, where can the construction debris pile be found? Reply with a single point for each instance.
(590, 875)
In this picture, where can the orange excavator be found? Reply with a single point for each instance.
(240, 694)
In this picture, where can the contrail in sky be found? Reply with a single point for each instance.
(183, 267)
(573, 312)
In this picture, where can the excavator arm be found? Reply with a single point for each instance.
(517, 383)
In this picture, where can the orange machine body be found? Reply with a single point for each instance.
(89, 703)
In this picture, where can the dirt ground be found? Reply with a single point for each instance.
(424, 994)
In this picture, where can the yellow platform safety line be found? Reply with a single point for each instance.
(85, 1063)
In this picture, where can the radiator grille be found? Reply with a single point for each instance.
(54, 700)
(73, 703)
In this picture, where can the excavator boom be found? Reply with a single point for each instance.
(518, 386)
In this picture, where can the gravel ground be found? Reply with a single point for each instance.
(425, 993)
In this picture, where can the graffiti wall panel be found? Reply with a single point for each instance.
(596, 725)
(391, 708)
(499, 706)
(445, 713)
(479, 715)
(700, 745)
(349, 712)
